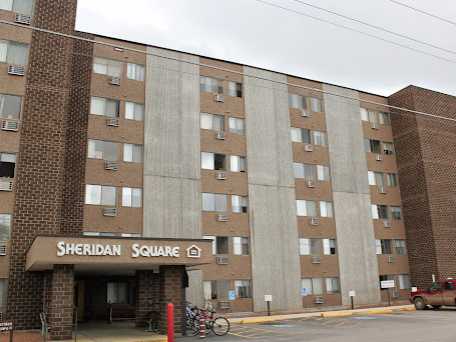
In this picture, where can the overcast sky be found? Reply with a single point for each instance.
(248, 32)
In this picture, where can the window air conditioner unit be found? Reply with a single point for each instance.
(9, 125)
(220, 135)
(222, 218)
(386, 223)
(381, 190)
(374, 125)
(319, 300)
(314, 221)
(23, 19)
(114, 81)
(221, 260)
(316, 260)
(114, 122)
(219, 98)
(221, 175)
(378, 157)
(305, 113)
(6, 184)
(110, 212)
(390, 259)
(3, 247)
(16, 70)
(311, 184)
(111, 165)
(308, 148)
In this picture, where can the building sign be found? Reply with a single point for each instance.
(6, 326)
(137, 250)
(387, 284)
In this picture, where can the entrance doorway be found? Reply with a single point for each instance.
(105, 299)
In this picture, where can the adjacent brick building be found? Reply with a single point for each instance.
(132, 176)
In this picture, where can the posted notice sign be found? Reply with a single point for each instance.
(6, 326)
(387, 284)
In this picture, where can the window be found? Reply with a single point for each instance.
(216, 289)
(106, 107)
(404, 281)
(221, 245)
(10, 106)
(210, 85)
(388, 148)
(107, 67)
(212, 122)
(18, 6)
(306, 286)
(326, 209)
(306, 208)
(400, 247)
(135, 72)
(242, 288)
(386, 246)
(309, 246)
(214, 202)
(297, 101)
(134, 111)
(238, 164)
(396, 213)
(7, 165)
(372, 146)
(301, 135)
(364, 114)
(131, 197)
(5, 227)
(306, 171)
(241, 245)
(317, 286)
(239, 204)
(385, 119)
(332, 285)
(13, 53)
(379, 212)
(117, 293)
(213, 161)
(391, 179)
(319, 138)
(100, 195)
(371, 178)
(378, 247)
(315, 105)
(234, 89)
(133, 153)
(99, 149)
(329, 246)
(236, 125)
(323, 173)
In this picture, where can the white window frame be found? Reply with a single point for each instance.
(128, 196)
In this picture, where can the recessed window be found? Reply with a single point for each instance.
(326, 209)
(239, 204)
(372, 146)
(216, 289)
(312, 286)
(305, 103)
(391, 179)
(388, 148)
(213, 161)
(214, 202)
(132, 197)
(235, 89)
(212, 122)
(404, 281)
(118, 293)
(242, 288)
(306, 208)
(241, 245)
(211, 85)
(329, 246)
(107, 67)
(238, 164)
(133, 153)
(134, 111)
(7, 165)
(332, 285)
(135, 72)
(309, 246)
(106, 107)
(18, 6)
(13, 53)
(396, 213)
(221, 245)
(236, 126)
(301, 135)
(400, 247)
(5, 227)
(105, 150)
(383, 247)
(379, 211)
(100, 195)
(10, 106)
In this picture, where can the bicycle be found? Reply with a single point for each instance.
(219, 325)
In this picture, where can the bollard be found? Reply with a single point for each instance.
(170, 322)
(202, 323)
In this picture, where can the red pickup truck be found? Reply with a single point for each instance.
(437, 295)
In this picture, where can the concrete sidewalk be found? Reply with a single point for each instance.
(337, 313)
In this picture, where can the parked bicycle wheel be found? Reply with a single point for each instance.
(192, 326)
(220, 326)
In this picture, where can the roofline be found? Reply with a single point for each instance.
(232, 62)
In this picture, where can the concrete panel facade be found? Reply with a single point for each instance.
(172, 147)
(273, 222)
(352, 206)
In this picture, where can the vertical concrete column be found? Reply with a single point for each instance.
(60, 315)
(147, 296)
(172, 291)
(352, 206)
(272, 214)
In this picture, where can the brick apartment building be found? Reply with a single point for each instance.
(129, 180)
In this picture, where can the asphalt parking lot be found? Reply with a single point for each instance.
(420, 326)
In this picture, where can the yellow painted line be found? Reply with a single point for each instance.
(342, 313)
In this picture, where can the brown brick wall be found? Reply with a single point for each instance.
(147, 296)
(426, 150)
(50, 168)
(172, 291)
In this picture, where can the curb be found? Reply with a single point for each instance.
(325, 314)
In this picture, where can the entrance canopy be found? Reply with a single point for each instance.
(93, 253)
